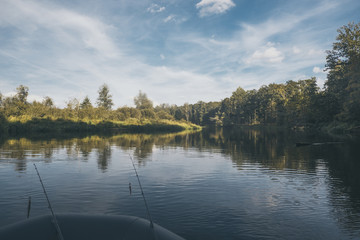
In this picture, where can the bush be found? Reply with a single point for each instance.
(3, 123)
(164, 115)
(148, 114)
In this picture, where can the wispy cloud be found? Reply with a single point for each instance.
(70, 53)
(175, 19)
(62, 49)
(66, 27)
(154, 8)
(169, 18)
(257, 54)
(211, 7)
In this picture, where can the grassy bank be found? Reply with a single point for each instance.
(15, 126)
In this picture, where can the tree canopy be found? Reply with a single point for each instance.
(343, 64)
(105, 98)
(141, 101)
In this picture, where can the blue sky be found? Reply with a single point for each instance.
(176, 51)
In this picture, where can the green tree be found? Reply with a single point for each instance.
(105, 98)
(2, 122)
(22, 94)
(225, 111)
(15, 106)
(85, 103)
(237, 105)
(251, 107)
(141, 101)
(352, 105)
(48, 102)
(186, 111)
(343, 78)
(292, 103)
(148, 113)
(164, 115)
(310, 91)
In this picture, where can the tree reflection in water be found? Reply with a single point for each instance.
(273, 149)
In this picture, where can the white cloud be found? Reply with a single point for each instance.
(296, 50)
(162, 56)
(249, 59)
(169, 18)
(211, 7)
(175, 19)
(317, 70)
(66, 26)
(154, 8)
(268, 54)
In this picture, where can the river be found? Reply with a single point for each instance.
(237, 183)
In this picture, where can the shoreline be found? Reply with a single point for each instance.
(65, 126)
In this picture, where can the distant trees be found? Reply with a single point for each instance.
(85, 104)
(295, 103)
(17, 108)
(105, 98)
(145, 105)
(22, 94)
(16, 105)
(141, 101)
(48, 102)
(2, 117)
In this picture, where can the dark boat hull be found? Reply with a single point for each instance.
(86, 227)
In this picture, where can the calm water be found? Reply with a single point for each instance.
(218, 184)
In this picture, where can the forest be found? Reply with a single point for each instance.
(295, 104)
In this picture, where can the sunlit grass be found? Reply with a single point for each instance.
(25, 123)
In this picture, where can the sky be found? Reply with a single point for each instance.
(175, 51)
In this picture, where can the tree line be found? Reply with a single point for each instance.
(294, 103)
(18, 108)
(18, 116)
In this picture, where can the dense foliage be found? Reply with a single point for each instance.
(294, 103)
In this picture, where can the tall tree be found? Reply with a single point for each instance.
(344, 70)
(105, 98)
(237, 105)
(141, 101)
(48, 102)
(22, 93)
(85, 103)
(352, 105)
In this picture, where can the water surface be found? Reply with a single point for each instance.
(216, 184)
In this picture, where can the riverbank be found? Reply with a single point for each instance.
(60, 126)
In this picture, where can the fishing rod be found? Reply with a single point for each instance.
(142, 193)
(57, 227)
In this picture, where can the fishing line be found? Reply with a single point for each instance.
(58, 230)
(142, 193)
